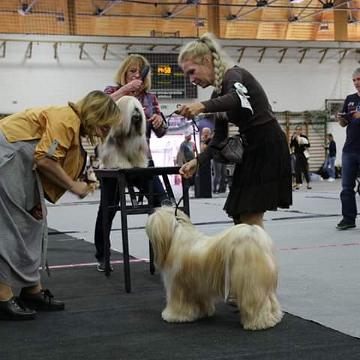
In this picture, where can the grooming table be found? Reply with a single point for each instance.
(134, 207)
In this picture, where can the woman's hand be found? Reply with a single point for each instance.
(80, 188)
(190, 110)
(356, 115)
(133, 87)
(188, 169)
(341, 119)
(36, 212)
(157, 121)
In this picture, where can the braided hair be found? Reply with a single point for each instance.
(197, 49)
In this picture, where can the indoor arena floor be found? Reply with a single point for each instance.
(319, 290)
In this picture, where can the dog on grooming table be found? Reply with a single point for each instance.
(125, 147)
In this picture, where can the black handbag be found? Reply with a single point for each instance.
(229, 151)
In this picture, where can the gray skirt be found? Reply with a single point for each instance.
(21, 235)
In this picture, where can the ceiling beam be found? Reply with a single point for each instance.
(55, 46)
(214, 17)
(25, 9)
(343, 54)
(179, 8)
(262, 53)
(283, 51)
(3, 47)
(341, 21)
(253, 9)
(105, 47)
(108, 6)
(28, 52)
(241, 50)
(71, 16)
(303, 51)
(324, 52)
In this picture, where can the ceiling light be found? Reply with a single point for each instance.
(328, 4)
(199, 23)
(261, 3)
(295, 1)
(324, 27)
(168, 14)
(23, 10)
(98, 11)
(231, 17)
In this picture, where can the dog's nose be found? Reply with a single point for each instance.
(136, 115)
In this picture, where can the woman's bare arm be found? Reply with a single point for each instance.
(52, 170)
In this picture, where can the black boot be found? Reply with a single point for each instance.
(12, 310)
(41, 301)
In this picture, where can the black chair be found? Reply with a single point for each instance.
(133, 207)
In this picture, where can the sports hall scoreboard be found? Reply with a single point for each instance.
(167, 79)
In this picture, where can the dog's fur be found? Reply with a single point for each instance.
(197, 269)
(125, 146)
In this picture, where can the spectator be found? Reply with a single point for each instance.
(300, 144)
(350, 118)
(329, 165)
(130, 82)
(206, 135)
(186, 150)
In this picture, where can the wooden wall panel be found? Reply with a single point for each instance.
(70, 17)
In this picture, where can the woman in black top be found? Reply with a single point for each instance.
(299, 144)
(263, 181)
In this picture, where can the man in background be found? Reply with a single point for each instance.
(186, 151)
(329, 165)
(350, 118)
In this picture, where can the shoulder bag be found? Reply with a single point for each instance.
(229, 151)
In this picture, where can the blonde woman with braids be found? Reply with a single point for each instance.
(263, 181)
(40, 157)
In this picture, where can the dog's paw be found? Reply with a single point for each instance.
(263, 321)
(169, 316)
(210, 311)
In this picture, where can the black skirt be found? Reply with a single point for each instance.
(263, 180)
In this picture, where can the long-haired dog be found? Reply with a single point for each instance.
(125, 146)
(198, 269)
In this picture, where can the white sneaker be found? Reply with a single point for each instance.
(101, 266)
(330, 179)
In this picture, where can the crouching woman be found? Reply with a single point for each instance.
(41, 157)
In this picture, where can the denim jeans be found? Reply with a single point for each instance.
(219, 180)
(329, 166)
(349, 172)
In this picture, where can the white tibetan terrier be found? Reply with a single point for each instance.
(125, 146)
(198, 270)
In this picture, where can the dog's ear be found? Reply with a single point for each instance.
(125, 104)
(160, 229)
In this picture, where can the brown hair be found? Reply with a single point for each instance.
(133, 60)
